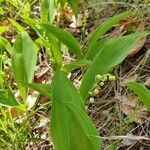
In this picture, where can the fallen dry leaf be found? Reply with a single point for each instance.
(147, 82)
(130, 107)
(127, 24)
(141, 43)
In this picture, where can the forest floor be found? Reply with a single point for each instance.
(122, 121)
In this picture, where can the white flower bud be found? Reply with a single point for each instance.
(101, 83)
(98, 77)
(96, 92)
(91, 100)
(112, 78)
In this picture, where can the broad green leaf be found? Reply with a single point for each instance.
(141, 91)
(74, 65)
(98, 47)
(5, 43)
(101, 30)
(44, 89)
(64, 37)
(48, 10)
(7, 98)
(113, 53)
(18, 27)
(24, 58)
(71, 128)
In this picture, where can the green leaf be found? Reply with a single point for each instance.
(7, 98)
(141, 91)
(101, 30)
(44, 89)
(24, 58)
(48, 10)
(26, 9)
(2, 11)
(98, 47)
(3, 29)
(113, 53)
(18, 27)
(5, 43)
(15, 3)
(64, 37)
(52, 45)
(71, 127)
(74, 5)
(62, 2)
(55, 47)
(74, 65)
(112, 147)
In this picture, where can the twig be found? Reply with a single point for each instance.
(125, 137)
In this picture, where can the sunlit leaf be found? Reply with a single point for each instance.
(18, 27)
(3, 29)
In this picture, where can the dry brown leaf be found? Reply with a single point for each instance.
(31, 99)
(127, 24)
(147, 82)
(130, 78)
(14, 112)
(141, 43)
(129, 106)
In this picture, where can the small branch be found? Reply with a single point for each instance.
(125, 137)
